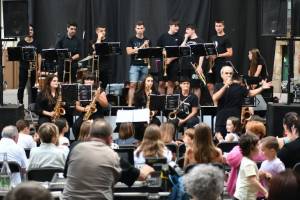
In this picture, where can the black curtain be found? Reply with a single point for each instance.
(242, 23)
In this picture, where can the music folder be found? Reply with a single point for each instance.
(151, 52)
(137, 115)
(108, 48)
(178, 51)
(204, 49)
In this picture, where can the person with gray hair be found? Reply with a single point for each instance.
(8, 144)
(204, 182)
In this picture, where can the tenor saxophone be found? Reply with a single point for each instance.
(58, 109)
(91, 108)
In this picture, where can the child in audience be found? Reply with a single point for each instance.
(272, 165)
(233, 125)
(248, 184)
(126, 134)
(188, 137)
(63, 128)
(25, 140)
(167, 132)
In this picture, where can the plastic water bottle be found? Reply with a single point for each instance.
(5, 175)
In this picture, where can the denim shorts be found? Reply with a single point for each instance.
(137, 73)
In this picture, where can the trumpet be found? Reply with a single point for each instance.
(91, 107)
(200, 75)
(165, 62)
(58, 109)
(147, 60)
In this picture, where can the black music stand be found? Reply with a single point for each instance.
(157, 102)
(69, 93)
(49, 57)
(14, 53)
(151, 52)
(177, 51)
(204, 49)
(172, 102)
(84, 93)
(63, 54)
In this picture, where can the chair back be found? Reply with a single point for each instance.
(181, 150)
(13, 166)
(172, 147)
(42, 174)
(27, 152)
(227, 146)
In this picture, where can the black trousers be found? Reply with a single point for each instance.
(23, 77)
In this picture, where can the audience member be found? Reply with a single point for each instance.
(25, 139)
(257, 128)
(289, 154)
(288, 121)
(151, 146)
(8, 144)
(204, 182)
(188, 137)
(126, 134)
(48, 154)
(29, 191)
(203, 149)
(248, 184)
(85, 130)
(167, 131)
(63, 127)
(233, 125)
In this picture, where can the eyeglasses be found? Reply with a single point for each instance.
(230, 73)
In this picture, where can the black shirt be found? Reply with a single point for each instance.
(230, 103)
(187, 103)
(137, 42)
(169, 40)
(289, 154)
(140, 98)
(186, 61)
(42, 103)
(222, 44)
(72, 44)
(34, 44)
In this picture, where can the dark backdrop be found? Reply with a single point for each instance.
(242, 23)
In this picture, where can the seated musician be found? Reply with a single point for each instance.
(47, 100)
(186, 114)
(142, 97)
(85, 111)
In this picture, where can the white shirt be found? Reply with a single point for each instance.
(47, 155)
(26, 141)
(63, 141)
(140, 160)
(244, 189)
(14, 153)
(234, 135)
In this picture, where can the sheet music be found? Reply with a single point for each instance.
(137, 115)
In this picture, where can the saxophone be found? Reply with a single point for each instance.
(91, 107)
(152, 113)
(58, 109)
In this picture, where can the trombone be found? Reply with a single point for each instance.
(67, 68)
(200, 75)
(165, 66)
(95, 66)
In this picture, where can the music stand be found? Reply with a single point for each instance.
(108, 48)
(157, 102)
(14, 53)
(28, 53)
(151, 52)
(63, 54)
(49, 55)
(177, 51)
(69, 93)
(204, 49)
(84, 93)
(172, 102)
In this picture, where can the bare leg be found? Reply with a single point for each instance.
(131, 91)
(197, 92)
(170, 88)
(162, 87)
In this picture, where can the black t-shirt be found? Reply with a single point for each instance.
(137, 42)
(104, 61)
(186, 61)
(263, 73)
(222, 44)
(140, 98)
(34, 44)
(72, 44)
(231, 102)
(187, 103)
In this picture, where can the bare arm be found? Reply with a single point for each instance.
(253, 180)
(228, 53)
(258, 70)
(102, 100)
(216, 96)
(265, 85)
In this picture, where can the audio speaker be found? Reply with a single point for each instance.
(275, 114)
(273, 17)
(15, 18)
(10, 114)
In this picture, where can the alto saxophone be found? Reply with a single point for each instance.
(91, 108)
(58, 109)
(152, 113)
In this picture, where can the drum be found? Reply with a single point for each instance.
(81, 72)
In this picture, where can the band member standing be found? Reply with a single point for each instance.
(188, 106)
(28, 41)
(104, 62)
(224, 49)
(71, 42)
(229, 96)
(47, 99)
(257, 66)
(98, 99)
(171, 38)
(142, 97)
(138, 66)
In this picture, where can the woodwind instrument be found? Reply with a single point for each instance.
(165, 62)
(58, 109)
(91, 107)
(152, 113)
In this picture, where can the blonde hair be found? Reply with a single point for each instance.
(151, 146)
(190, 132)
(167, 132)
(84, 130)
(47, 132)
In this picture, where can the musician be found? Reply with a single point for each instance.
(28, 41)
(47, 99)
(138, 67)
(104, 62)
(192, 66)
(171, 38)
(71, 42)
(188, 106)
(229, 96)
(101, 103)
(224, 48)
(142, 98)
(257, 65)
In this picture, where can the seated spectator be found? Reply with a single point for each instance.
(167, 131)
(289, 154)
(203, 149)
(25, 140)
(257, 128)
(233, 126)
(85, 130)
(151, 146)
(204, 182)
(285, 185)
(63, 127)
(272, 165)
(29, 191)
(126, 134)
(8, 144)
(288, 121)
(48, 154)
(188, 137)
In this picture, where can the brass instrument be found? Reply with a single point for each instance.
(91, 107)
(58, 109)
(95, 66)
(165, 62)
(200, 75)
(245, 115)
(67, 68)
(211, 63)
(152, 113)
(147, 60)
